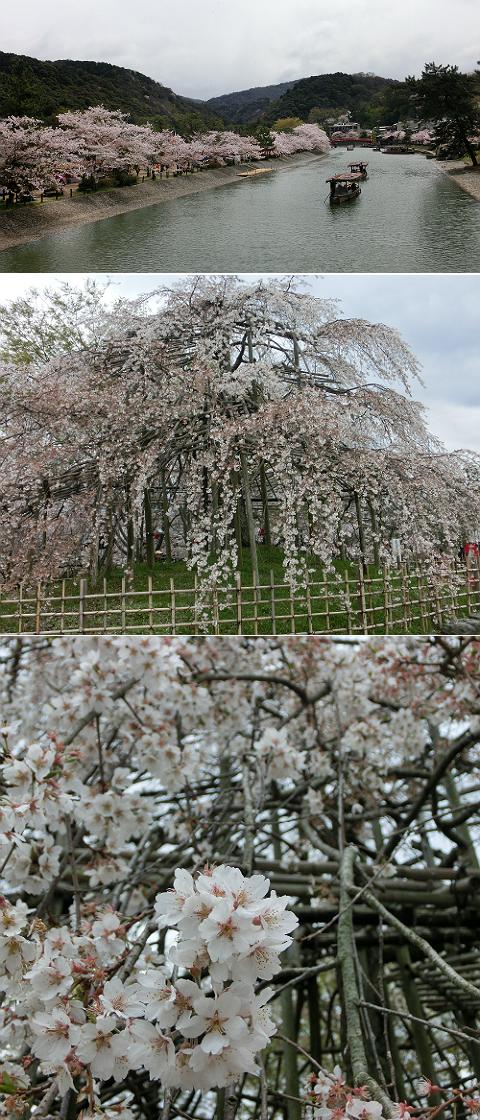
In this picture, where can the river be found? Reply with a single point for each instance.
(410, 218)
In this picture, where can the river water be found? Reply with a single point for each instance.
(410, 218)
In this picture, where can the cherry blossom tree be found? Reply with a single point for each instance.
(215, 407)
(97, 142)
(106, 141)
(423, 136)
(239, 877)
(33, 156)
(303, 138)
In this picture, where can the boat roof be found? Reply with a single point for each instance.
(347, 177)
(359, 163)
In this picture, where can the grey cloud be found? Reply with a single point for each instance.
(212, 47)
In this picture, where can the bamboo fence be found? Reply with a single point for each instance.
(407, 599)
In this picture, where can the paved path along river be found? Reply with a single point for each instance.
(410, 218)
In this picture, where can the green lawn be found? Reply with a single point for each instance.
(164, 602)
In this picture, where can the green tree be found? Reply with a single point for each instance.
(287, 124)
(319, 115)
(449, 98)
(265, 139)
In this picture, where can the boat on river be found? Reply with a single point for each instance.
(398, 150)
(254, 171)
(344, 188)
(359, 168)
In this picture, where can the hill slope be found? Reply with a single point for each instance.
(42, 89)
(360, 93)
(247, 104)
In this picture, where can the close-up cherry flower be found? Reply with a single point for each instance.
(278, 917)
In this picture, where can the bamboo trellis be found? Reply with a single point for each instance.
(409, 599)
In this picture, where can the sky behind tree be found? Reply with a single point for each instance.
(437, 315)
(205, 48)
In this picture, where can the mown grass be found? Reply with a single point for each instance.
(335, 602)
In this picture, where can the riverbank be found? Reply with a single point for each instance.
(21, 225)
(468, 178)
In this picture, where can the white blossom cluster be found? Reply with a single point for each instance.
(332, 1099)
(191, 1018)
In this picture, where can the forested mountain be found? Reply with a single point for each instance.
(31, 87)
(365, 95)
(247, 104)
(42, 89)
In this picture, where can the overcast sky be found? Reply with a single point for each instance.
(436, 314)
(206, 47)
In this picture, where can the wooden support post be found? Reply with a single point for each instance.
(272, 602)
(62, 608)
(122, 604)
(256, 594)
(250, 519)
(173, 609)
(165, 519)
(38, 609)
(314, 1019)
(386, 605)
(81, 605)
(265, 509)
(238, 521)
(215, 504)
(326, 585)
(415, 1007)
(462, 829)
(373, 520)
(149, 538)
(348, 603)
(150, 604)
(363, 601)
(346, 957)
(216, 611)
(361, 531)
(308, 600)
(20, 610)
(238, 601)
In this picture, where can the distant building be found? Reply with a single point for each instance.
(346, 126)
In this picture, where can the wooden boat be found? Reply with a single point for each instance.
(254, 171)
(398, 150)
(344, 188)
(359, 168)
